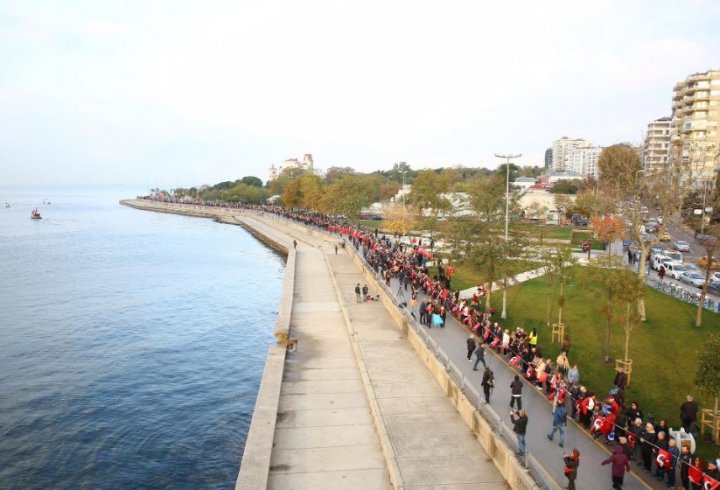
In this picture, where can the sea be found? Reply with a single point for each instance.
(131, 343)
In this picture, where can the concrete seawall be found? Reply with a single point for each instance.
(402, 465)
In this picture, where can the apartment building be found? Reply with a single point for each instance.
(694, 132)
(656, 148)
(578, 156)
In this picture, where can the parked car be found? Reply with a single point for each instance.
(714, 287)
(672, 254)
(681, 246)
(693, 278)
(674, 270)
(665, 236)
(660, 260)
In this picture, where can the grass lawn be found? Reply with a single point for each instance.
(664, 349)
(465, 277)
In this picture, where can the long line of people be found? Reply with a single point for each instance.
(607, 417)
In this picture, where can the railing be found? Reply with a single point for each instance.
(679, 292)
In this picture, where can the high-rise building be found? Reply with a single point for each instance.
(656, 149)
(560, 150)
(584, 160)
(577, 156)
(694, 132)
(548, 159)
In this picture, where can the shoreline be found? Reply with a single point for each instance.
(255, 461)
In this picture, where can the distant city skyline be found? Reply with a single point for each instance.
(186, 93)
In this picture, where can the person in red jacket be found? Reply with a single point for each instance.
(620, 465)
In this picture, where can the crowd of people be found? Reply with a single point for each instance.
(610, 418)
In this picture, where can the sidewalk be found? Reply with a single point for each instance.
(325, 436)
(429, 443)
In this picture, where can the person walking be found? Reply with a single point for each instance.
(516, 392)
(559, 423)
(688, 413)
(294, 244)
(471, 345)
(365, 292)
(487, 383)
(520, 429)
(572, 462)
(620, 465)
(479, 355)
(357, 293)
(336, 249)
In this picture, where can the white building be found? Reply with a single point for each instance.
(656, 149)
(305, 164)
(560, 150)
(583, 161)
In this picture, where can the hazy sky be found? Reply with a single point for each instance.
(188, 92)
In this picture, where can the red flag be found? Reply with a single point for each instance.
(663, 459)
(710, 483)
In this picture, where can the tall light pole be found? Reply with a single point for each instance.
(403, 198)
(507, 158)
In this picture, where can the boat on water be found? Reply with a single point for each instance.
(7, 205)
(35, 214)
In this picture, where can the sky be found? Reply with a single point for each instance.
(179, 93)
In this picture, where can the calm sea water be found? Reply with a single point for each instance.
(131, 343)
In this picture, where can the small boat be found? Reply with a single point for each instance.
(35, 214)
(7, 205)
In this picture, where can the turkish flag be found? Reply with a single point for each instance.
(710, 483)
(663, 459)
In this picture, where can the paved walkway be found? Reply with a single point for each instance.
(325, 437)
(431, 445)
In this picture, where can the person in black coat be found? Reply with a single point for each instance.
(520, 420)
(516, 392)
(688, 413)
(470, 347)
(488, 383)
(572, 461)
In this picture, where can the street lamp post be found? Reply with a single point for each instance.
(507, 158)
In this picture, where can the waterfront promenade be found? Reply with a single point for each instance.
(357, 407)
(426, 444)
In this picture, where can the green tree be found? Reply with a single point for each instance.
(566, 186)
(427, 194)
(347, 196)
(558, 265)
(708, 373)
(604, 273)
(489, 253)
(333, 174)
(252, 181)
(594, 204)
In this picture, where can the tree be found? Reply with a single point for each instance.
(618, 166)
(333, 174)
(605, 273)
(252, 181)
(399, 218)
(396, 173)
(608, 228)
(489, 252)
(708, 374)
(426, 194)
(710, 263)
(590, 204)
(566, 186)
(632, 289)
(514, 171)
(347, 196)
(557, 264)
(564, 205)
